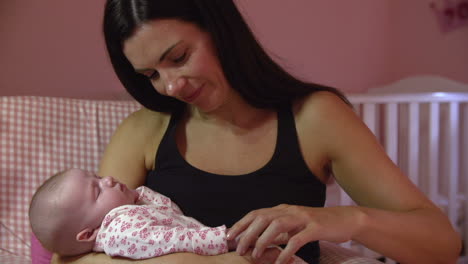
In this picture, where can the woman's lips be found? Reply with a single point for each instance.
(193, 96)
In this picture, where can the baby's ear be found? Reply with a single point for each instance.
(87, 235)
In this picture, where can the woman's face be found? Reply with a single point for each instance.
(180, 61)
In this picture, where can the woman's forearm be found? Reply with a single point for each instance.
(176, 258)
(418, 236)
(102, 258)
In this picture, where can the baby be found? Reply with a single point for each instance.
(75, 212)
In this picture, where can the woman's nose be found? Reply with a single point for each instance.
(174, 87)
(171, 82)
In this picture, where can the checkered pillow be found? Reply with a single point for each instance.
(40, 136)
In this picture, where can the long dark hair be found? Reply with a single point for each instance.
(247, 67)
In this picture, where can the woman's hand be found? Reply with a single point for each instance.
(262, 228)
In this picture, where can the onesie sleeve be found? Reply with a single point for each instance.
(140, 232)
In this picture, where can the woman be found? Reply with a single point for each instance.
(234, 139)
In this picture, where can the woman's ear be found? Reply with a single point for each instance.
(87, 235)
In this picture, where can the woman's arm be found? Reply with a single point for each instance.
(102, 258)
(397, 216)
(393, 216)
(177, 258)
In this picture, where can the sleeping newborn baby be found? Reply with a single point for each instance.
(75, 212)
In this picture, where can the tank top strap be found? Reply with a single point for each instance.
(287, 148)
(167, 150)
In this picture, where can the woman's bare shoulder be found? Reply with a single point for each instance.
(132, 147)
(329, 122)
(320, 105)
(314, 115)
(320, 112)
(140, 128)
(143, 120)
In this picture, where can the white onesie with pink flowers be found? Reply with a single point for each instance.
(155, 226)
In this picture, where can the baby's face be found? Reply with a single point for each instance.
(89, 197)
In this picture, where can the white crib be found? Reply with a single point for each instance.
(426, 135)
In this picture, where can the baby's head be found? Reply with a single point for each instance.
(67, 210)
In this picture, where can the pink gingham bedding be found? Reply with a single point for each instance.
(38, 137)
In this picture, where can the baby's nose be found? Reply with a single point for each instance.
(109, 181)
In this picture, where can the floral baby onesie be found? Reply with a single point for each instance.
(155, 226)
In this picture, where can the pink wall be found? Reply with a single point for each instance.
(333, 42)
(419, 46)
(55, 47)
(359, 46)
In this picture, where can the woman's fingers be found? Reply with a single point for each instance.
(272, 234)
(250, 235)
(284, 224)
(240, 226)
(281, 239)
(301, 225)
(261, 228)
(294, 244)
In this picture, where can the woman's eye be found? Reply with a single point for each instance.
(180, 58)
(154, 75)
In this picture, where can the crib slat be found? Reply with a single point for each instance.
(434, 123)
(369, 116)
(391, 131)
(464, 171)
(413, 143)
(454, 154)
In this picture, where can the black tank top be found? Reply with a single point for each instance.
(219, 199)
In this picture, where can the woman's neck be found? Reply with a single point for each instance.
(236, 115)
